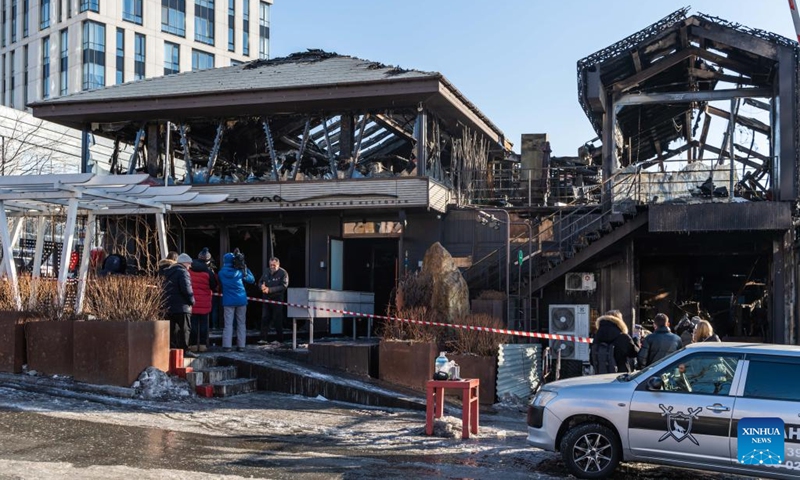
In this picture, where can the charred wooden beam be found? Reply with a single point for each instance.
(271, 149)
(301, 150)
(726, 36)
(653, 70)
(689, 97)
(748, 122)
(637, 62)
(742, 160)
(704, 135)
(687, 128)
(752, 153)
(711, 75)
(757, 103)
(346, 136)
(389, 123)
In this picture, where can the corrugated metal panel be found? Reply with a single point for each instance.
(318, 195)
(716, 217)
(518, 370)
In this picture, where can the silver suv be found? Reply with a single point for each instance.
(683, 410)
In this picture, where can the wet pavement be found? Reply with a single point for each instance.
(265, 435)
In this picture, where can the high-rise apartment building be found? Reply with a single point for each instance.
(50, 48)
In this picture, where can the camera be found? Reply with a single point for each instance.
(238, 260)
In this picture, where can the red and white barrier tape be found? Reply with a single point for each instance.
(503, 331)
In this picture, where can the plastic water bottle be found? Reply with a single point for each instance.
(440, 365)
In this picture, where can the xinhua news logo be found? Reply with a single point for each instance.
(760, 441)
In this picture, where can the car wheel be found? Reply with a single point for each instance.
(590, 450)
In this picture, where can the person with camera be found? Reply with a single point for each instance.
(273, 285)
(232, 277)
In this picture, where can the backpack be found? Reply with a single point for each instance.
(603, 358)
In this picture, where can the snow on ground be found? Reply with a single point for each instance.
(19, 470)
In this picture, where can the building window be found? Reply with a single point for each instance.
(132, 11)
(232, 25)
(173, 17)
(204, 21)
(44, 15)
(11, 58)
(69, 9)
(138, 56)
(246, 27)
(60, 14)
(90, 5)
(25, 53)
(120, 56)
(4, 80)
(45, 68)
(172, 58)
(63, 66)
(13, 21)
(263, 30)
(202, 60)
(94, 55)
(26, 17)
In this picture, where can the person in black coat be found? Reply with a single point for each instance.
(273, 285)
(660, 343)
(612, 329)
(179, 298)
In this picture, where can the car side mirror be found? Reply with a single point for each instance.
(655, 383)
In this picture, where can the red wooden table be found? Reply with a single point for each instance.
(469, 408)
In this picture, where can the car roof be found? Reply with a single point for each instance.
(743, 347)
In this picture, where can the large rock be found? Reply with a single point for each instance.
(450, 294)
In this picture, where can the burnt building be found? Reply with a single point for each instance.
(343, 168)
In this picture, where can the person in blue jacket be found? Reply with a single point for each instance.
(232, 278)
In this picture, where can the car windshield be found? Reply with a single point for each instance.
(630, 376)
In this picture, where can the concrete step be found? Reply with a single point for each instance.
(237, 386)
(202, 362)
(218, 374)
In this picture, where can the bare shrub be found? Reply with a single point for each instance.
(40, 298)
(414, 332)
(413, 291)
(126, 298)
(475, 342)
(6, 295)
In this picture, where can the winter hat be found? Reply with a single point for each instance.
(204, 255)
(184, 258)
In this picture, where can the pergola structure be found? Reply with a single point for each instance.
(42, 195)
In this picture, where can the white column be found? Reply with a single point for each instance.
(66, 249)
(83, 271)
(16, 228)
(162, 235)
(41, 228)
(8, 256)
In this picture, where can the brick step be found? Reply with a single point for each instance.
(218, 374)
(202, 362)
(237, 386)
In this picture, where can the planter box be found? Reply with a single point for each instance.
(360, 358)
(50, 347)
(12, 341)
(409, 364)
(482, 368)
(115, 353)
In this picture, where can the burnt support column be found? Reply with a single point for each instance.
(422, 141)
(786, 166)
(609, 153)
(346, 137)
(783, 300)
(152, 150)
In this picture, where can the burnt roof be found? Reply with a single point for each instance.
(311, 81)
(716, 50)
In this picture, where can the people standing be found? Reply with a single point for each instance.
(216, 300)
(704, 332)
(686, 327)
(204, 285)
(273, 284)
(179, 298)
(234, 301)
(660, 343)
(612, 346)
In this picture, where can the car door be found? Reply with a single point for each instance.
(771, 389)
(682, 413)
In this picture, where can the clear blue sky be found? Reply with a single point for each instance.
(515, 59)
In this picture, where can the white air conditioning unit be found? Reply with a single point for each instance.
(572, 320)
(580, 282)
